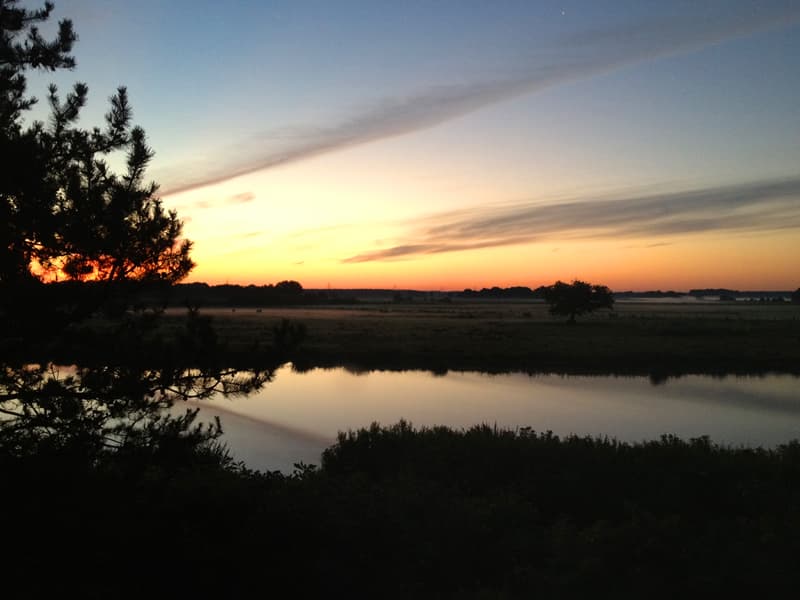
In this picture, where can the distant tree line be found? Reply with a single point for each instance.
(731, 295)
(72, 295)
(649, 294)
(202, 294)
(283, 293)
(509, 292)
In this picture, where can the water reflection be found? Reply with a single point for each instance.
(90, 412)
(299, 414)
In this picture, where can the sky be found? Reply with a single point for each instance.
(453, 144)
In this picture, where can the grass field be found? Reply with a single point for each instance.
(658, 339)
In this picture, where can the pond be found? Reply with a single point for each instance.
(297, 415)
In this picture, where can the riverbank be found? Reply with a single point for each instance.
(651, 339)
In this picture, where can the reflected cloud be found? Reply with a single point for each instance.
(749, 207)
(272, 427)
(577, 56)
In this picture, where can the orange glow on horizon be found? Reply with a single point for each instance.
(743, 263)
(303, 221)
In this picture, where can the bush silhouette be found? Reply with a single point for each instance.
(577, 298)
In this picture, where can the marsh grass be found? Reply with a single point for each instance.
(634, 339)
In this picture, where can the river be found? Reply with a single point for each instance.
(297, 415)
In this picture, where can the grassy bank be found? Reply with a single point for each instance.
(395, 512)
(649, 339)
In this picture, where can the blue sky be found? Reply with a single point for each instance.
(370, 119)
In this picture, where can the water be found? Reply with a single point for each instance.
(296, 416)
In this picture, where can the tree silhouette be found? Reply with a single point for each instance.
(577, 298)
(796, 296)
(63, 212)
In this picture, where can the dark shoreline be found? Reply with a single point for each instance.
(426, 513)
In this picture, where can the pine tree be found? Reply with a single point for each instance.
(63, 213)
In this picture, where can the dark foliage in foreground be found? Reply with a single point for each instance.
(395, 512)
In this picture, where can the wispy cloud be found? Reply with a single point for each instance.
(657, 245)
(577, 56)
(748, 207)
(242, 198)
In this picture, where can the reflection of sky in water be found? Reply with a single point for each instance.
(297, 415)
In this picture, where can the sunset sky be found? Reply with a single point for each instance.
(444, 145)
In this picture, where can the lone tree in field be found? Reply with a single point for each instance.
(63, 213)
(577, 298)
